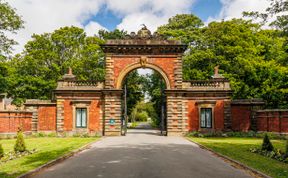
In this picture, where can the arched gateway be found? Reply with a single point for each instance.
(95, 106)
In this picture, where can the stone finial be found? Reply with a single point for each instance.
(216, 70)
(70, 71)
(69, 75)
(216, 73)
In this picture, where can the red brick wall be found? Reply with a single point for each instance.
(68, 116)
(240, 117)
(219, 115)
(94, 116)
(47, 118)
(272, 121)
(193, 116)
(10, 121)
(166, 64)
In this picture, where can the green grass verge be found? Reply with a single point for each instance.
(48, 148)
(238, 149)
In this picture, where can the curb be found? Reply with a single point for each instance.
(57, 160)
(237, 164)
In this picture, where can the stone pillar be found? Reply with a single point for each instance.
(227, 115)
(60, 115)
(175, 120)
(109, 75)
(178, 73)
(112, 112)
(34, 122)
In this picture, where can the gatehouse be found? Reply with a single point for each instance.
(95, 107)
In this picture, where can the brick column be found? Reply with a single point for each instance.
(60, 115)
(112, 112)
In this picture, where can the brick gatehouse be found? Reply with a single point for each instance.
(94, 107)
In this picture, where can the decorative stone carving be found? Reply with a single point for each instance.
(143, 61)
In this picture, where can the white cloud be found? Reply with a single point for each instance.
(47, 15)
(235, 8)
(152, 13)
(93, 27)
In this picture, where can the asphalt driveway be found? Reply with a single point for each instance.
(144, 154)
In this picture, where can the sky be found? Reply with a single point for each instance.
(42, 16)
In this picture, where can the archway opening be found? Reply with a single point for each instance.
(144, 102)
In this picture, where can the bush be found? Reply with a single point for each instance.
(286, 149)
(20, 144)
(142, 116)
(267, 145)
(1, 151)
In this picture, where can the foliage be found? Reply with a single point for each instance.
(141, 116)
(47, 57)
(253, 59)
(286, 148)
(133, 83)
(9, 22)
(239, 149)
(15, 155)
(154, 86)
(267, 145)
(116, 34)
(184, 27)
(1, 151)
(274, 154)
(20, 144)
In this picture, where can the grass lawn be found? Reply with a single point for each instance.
(238, 149)
(48, 148)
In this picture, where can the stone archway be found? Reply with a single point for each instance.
(134, 66)
(143, 51)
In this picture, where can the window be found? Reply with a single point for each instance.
(81, 117)
(206, 118)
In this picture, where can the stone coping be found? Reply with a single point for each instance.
(248, 102)
(14, 111)
(273, 110)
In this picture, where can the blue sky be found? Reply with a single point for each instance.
(201, 8)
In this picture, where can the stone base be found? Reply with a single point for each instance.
(178, 134)
(112, 133)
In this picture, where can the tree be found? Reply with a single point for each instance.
(253, 59)
(154, 86)
(133, 83)
(267, 145)
(1, 151)
(48, 56)
(184, 27)
(9, 22)
(20, 144)
(116, 34)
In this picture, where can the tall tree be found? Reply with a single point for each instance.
(254, 60)
(116, 34)
(9, 22)
(47, 57)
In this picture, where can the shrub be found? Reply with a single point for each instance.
(267, 145)
(20, 144)
(286, 150)
(1, 151)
